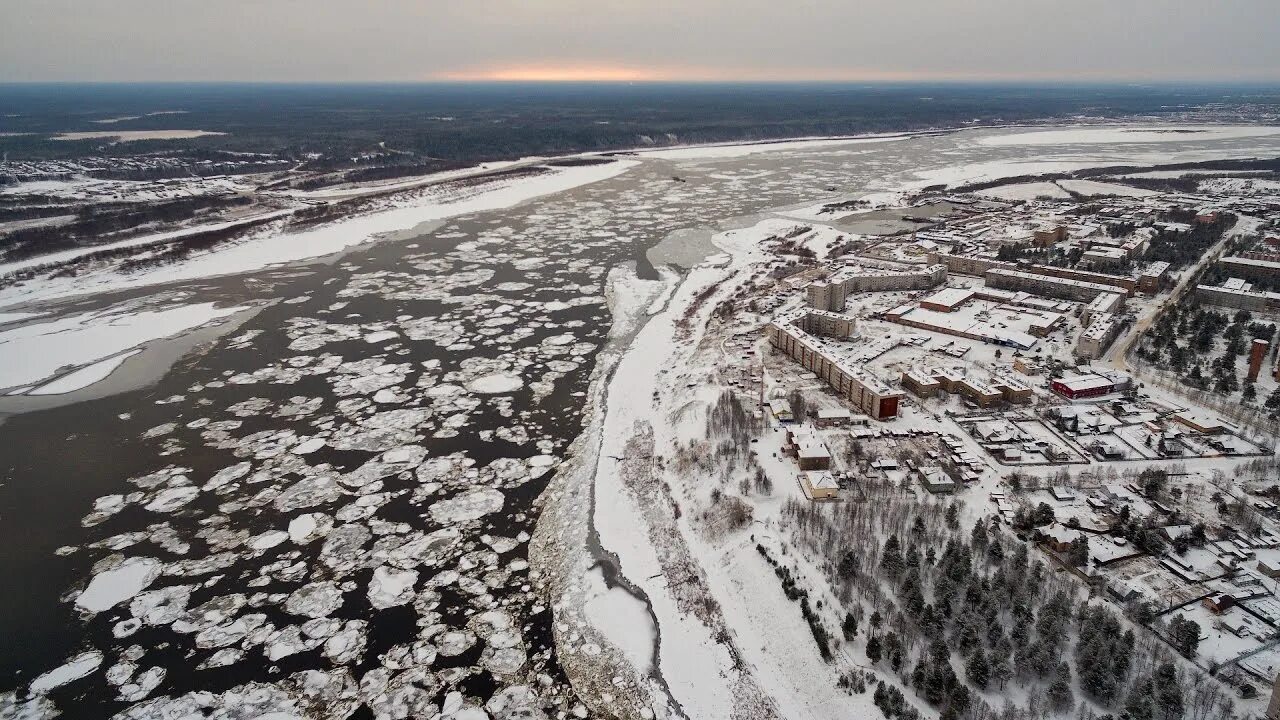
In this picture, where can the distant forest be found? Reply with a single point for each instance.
(346, 126)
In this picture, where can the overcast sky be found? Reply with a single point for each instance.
(407, 40)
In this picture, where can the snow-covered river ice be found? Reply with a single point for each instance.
(324, 509)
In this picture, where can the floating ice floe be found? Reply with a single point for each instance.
(391, 587)
(308, 527)
(315, 600)
(496, 383)
(467, 506)
(113, 586)
(74, 669)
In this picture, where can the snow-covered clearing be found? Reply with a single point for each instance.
(764, 665)
(1026, 191)
(624, 618)
(699, 671)
(12, 317)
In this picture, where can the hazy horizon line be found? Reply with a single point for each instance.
(1041, 82)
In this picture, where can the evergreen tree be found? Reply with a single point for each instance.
(1001, 670)
(891, 562)
(1059, 694)
(995, 553)
(873, 649)
(1139, 705)
(978, 670)
(1185, 635)
(1167, 695)
(1078, 555)
(849, 626)
(979, 536)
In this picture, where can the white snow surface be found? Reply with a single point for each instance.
(1091, 188)
(720, 152)
(33, 352)
(74, 669)
(112, 587)
(12, 317)
(1131, 134)
(273, 247)
(1025, 191)
(623, 619)
(85, 376)
(134, 135)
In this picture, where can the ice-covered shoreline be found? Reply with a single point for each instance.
(560, 548)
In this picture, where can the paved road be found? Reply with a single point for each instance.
(1117, 356)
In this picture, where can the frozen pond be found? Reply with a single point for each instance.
(326, 511)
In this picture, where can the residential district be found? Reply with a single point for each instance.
(1095, 369)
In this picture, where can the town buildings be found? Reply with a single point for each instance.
(1106, 303)
(1059, 287)
(1090, 385)
(1098, 336)
(830, 294)
(867, 392)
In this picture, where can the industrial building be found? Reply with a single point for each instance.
(985, 322)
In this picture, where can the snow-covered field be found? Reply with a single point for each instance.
(1025, 191)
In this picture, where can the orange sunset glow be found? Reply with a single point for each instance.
(559, 73)
(595, 72)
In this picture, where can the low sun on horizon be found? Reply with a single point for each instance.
(558, 73)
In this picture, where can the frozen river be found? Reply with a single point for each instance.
(322, 507)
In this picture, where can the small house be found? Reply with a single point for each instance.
(1219, 603)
